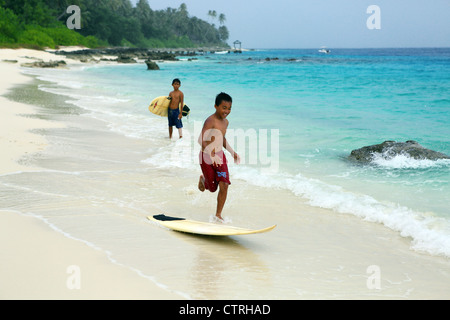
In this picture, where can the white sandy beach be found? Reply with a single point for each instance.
(35, 259)
(334, 253)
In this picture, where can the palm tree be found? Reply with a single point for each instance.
(223, 33)
(212, 14)
(222, 19)
(183, 9)
(181, 20)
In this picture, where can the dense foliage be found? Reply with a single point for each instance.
(42, 23)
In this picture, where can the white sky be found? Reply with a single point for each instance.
(331, 23)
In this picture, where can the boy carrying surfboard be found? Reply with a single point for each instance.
(212, 158)
(175, 111)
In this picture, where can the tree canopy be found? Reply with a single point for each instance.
(42, 23)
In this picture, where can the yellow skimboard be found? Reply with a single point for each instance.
(160, 106)
(203, 228)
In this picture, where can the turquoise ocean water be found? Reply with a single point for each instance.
(301, 113)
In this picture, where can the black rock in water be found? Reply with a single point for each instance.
(390, 149)
(151, 65)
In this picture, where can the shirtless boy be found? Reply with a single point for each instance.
(175, 108)
(212, 158)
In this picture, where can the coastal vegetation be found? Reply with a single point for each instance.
(42, 23)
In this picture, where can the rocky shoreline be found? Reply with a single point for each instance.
(121, 55)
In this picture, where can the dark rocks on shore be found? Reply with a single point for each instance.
(125, 55)
(125, 58)
(156, 55)
(43, 64)
(390, 149)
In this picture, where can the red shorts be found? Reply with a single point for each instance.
(214, 174)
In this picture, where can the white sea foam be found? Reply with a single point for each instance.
(214, 219)
(54, 75)
(404, 161)
(428, 232)
(175, 154)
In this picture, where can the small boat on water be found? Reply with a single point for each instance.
(324, 50)
(221, 52)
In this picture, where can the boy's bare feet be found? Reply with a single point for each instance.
(217, 219)
(201, 184)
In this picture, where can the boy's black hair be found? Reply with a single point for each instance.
(176, 80)
(223, 97)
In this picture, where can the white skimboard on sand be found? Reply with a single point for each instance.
(203, 228)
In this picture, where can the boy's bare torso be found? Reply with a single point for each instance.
(177, 97)
(214, 132)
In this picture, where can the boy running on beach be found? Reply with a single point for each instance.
(212, 158)
(175, 108)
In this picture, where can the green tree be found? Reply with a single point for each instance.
(9, 26)
(222, 18)
(34, 12)
(212, 14)
(183, 9)
(106, 22)
(145, 15)
(223, 33)
(36, 36)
